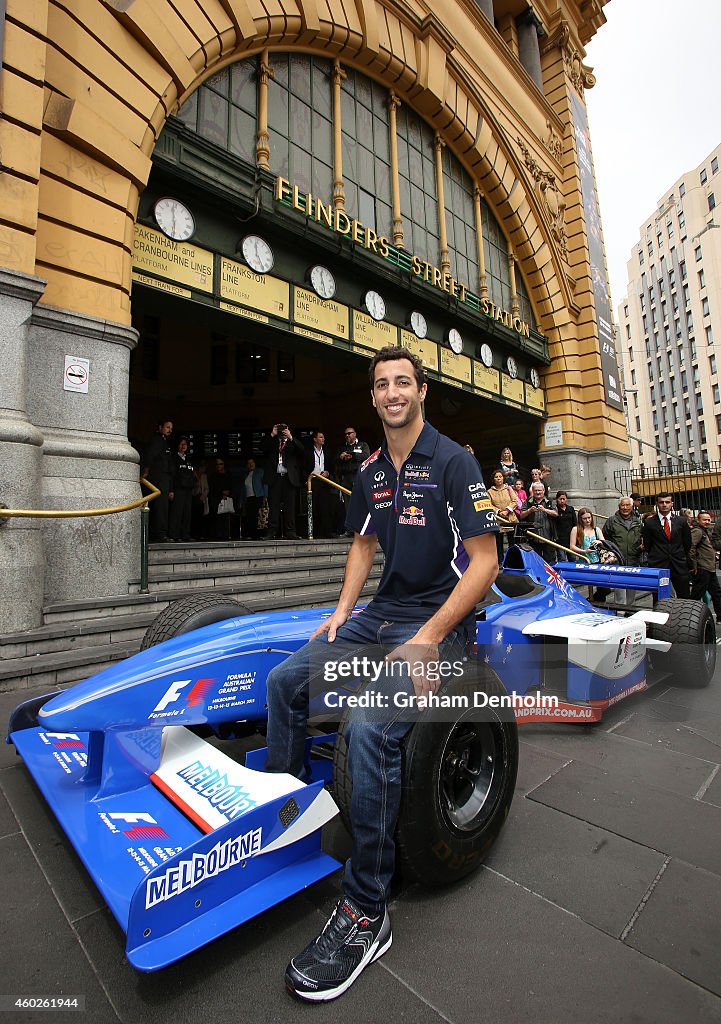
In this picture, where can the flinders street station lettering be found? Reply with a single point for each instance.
(339, 221)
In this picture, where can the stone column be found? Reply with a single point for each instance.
(529, 51)
(88, 461)
(21, 548)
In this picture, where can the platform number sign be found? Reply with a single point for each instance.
(77, 372)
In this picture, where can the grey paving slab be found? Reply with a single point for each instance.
(713, 794)
(706, 701)
(65, 873)
(591, 872)
(679, 926)
(663, 821)
(239, 978)
(491, 951)
(8, 821)
(624, 758)
(40, 951)
(534, 766)
(663, 735)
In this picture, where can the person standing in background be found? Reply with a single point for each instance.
(566, 519)
(252, 492)
(347, 463)
(285, 462)
(158, 468)
(183, 484)
(325, 497)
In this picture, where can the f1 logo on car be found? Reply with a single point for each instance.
(173, 694)
(144, 825)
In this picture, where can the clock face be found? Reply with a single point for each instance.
(455, 341)
(486, 355)
(174, 219)
(257, 254)
(375, 305)
(323, 282)
(535, 378)
(512, 367)
(418, 324)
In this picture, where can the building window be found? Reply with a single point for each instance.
(718, 424)
(687, 408)
(638, 424)
(650, 250)
(686, 296)
(709, 336)
(669, 228)
(633, 377)
(684, 381)
(697, 253)
(711, 201)
(628, 330)
(682, 269)
(716, 395)
(712, 364)
(223, 109)
(460, 222)
(704, 176)
(366, 161)
(701, 279)
(704, 307)
(692, 344)
(419, 207)
(681, 221)
(682, 190)
(714, 165)
(640, 256)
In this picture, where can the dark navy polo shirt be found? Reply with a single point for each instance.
(421, 517)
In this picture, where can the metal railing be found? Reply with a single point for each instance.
(309, 488)
(692, 486)
(141, 503)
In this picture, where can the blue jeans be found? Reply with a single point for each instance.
(373, 738)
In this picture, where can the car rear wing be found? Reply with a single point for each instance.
(618, 577)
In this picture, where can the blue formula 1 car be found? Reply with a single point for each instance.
(185, 843)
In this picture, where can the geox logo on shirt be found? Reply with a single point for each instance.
(188, 873)
(412, 516)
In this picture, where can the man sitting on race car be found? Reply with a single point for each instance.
(421, 495)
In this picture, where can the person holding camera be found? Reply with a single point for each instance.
(284, 468)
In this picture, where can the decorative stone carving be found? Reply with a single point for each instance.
(580, 75)
(552, 202)
(553, 142)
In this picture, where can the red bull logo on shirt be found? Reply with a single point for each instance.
(413, 515)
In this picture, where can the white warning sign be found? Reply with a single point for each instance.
(77, 372)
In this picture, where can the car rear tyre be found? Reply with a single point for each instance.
(691, 630)
(458, 779)
(191, 613)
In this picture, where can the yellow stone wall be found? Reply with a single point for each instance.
(87, 86)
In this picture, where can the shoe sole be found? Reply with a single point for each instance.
(328, 994)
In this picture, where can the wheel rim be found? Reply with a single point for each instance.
(470, 774)
(709, 646)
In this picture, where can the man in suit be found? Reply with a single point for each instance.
(325, 498)
(158, 467)
(285, 462)
(667, 542)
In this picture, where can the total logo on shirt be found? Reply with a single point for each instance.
(379, 495)
(412, 516)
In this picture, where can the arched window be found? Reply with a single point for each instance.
(300, 125)
(224, 109)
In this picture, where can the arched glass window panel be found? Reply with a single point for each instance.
(224, 109)
(460, 222)
(495, 249)
(299, 122)
(366, 151)
(418, 188)
(523, 299)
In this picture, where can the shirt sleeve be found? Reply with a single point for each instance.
(358, 517)
(469, 504)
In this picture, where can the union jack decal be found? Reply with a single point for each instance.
(558, 581)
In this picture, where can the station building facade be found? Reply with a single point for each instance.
(215, 213)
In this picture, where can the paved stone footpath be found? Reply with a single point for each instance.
(600, 902)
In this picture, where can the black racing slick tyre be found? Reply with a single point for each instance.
(458, 780)
(691, 630)
(191, 613)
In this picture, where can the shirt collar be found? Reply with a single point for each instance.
(426, 442)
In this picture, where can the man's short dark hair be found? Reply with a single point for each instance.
(559, 493)
(635, 496)
(390, 353)
(664, 494)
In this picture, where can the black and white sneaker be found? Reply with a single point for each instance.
(331, 963)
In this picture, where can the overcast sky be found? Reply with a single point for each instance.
(654, 113)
